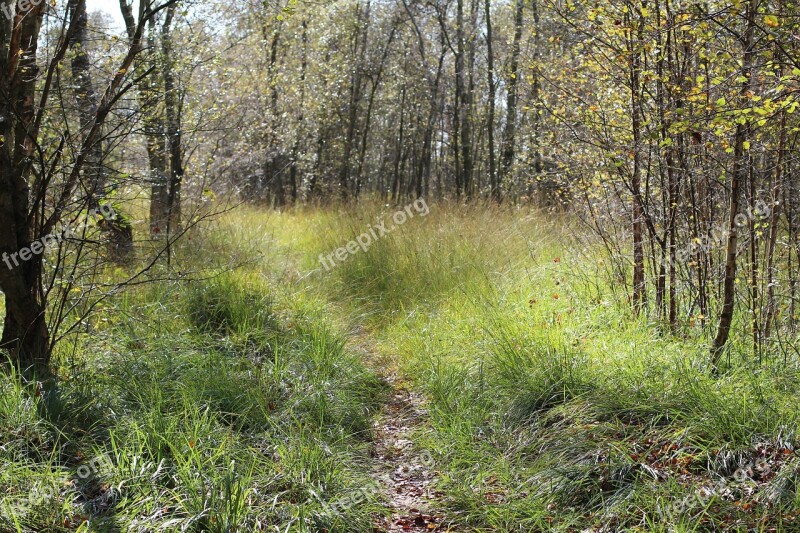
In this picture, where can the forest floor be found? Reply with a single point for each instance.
(407, 477)
(471, 371)
(405, 474)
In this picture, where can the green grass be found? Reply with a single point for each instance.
(552, 407)
(235, 402)
(225, 404)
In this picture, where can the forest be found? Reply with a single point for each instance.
(399, 265)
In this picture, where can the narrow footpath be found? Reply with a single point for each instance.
(406, 473)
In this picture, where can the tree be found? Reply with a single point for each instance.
(510, 132)
(490, 74)
(741, 169)
(32, 201)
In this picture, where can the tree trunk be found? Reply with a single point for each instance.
(538, 160)
(741, 164)
(464, 107)
(86, 99)
(293, 171)
(117, 232)
(273, 172)
(356, 87)
(173, 103)
(493, 184)
(25, 333)
(639, 288)
(510, 134)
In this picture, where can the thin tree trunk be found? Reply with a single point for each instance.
(740, 171)
(639, 288)
(490, 74)
(464, 106)
(399, 149)
(777, 193)
(173, 104)
(272, 171)
(360, 48)
(510, 133)
(293, 172)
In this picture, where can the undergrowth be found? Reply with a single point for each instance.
(235, 403)
(552, 407)
(228, 403)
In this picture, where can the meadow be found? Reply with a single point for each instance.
(245, 396)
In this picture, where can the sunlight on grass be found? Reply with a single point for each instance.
(236, 400)
(549, 401)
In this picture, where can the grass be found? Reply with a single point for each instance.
(235, 402)
(226, 404)
(552, 408)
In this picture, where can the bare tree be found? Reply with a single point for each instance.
(32, 200)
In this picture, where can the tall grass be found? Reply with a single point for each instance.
(553, 407)
(229, 403)
(236, 403)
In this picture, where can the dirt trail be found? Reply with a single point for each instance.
(405, 473)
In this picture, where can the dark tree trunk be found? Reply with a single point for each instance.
(398, 156)
(464, 103)
(635, 43)
(741, 166)
(25, 332)
(356, 89)
(510, 134)
(173, 104)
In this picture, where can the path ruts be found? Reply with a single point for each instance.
(406, 474)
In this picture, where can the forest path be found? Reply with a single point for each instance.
(405, 473)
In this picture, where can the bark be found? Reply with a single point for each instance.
(538, 161)
(639, 288)
(493, 183)
(398, 155)
(464, 105)
(174, 111)
(739, 173)
(25, 333)
(510, 133)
